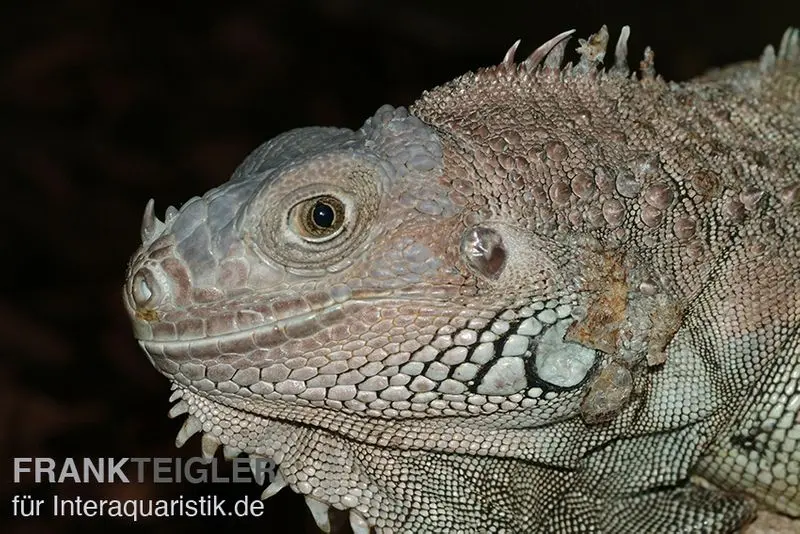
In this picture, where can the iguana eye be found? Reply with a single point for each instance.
(318, 219)
(313, 216)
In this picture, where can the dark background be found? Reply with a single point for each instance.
(104, 105)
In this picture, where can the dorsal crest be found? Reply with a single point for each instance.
(550, 55)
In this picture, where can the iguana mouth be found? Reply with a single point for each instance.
(264, 340)
(297, 316)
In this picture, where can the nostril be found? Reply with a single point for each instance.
(143, 289)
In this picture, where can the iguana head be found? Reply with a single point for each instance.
(346, 286)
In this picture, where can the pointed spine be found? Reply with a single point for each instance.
(170, 214)
(277, 484)
(647, 66)
(230, 452)
(620, 67)
(508, 59)
(319, 511)
(190, 427)
(179, 408)
(256, 467)
(552, 52)
(209, 445)
(358, 523)
(766, 63)
(151, 226)
(789, 49)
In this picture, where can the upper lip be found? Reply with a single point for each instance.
(364, 298)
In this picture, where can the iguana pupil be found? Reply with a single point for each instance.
(320, 217)
(323, 215)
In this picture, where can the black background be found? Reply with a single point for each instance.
(106, 104)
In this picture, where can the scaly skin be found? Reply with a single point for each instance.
(545, 299)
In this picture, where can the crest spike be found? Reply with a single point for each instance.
(789, 49)
(621, 53)
(151, 226)
(508, 60)
(647, 65)
(552, 52)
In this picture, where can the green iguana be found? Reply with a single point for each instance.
(544, 298)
